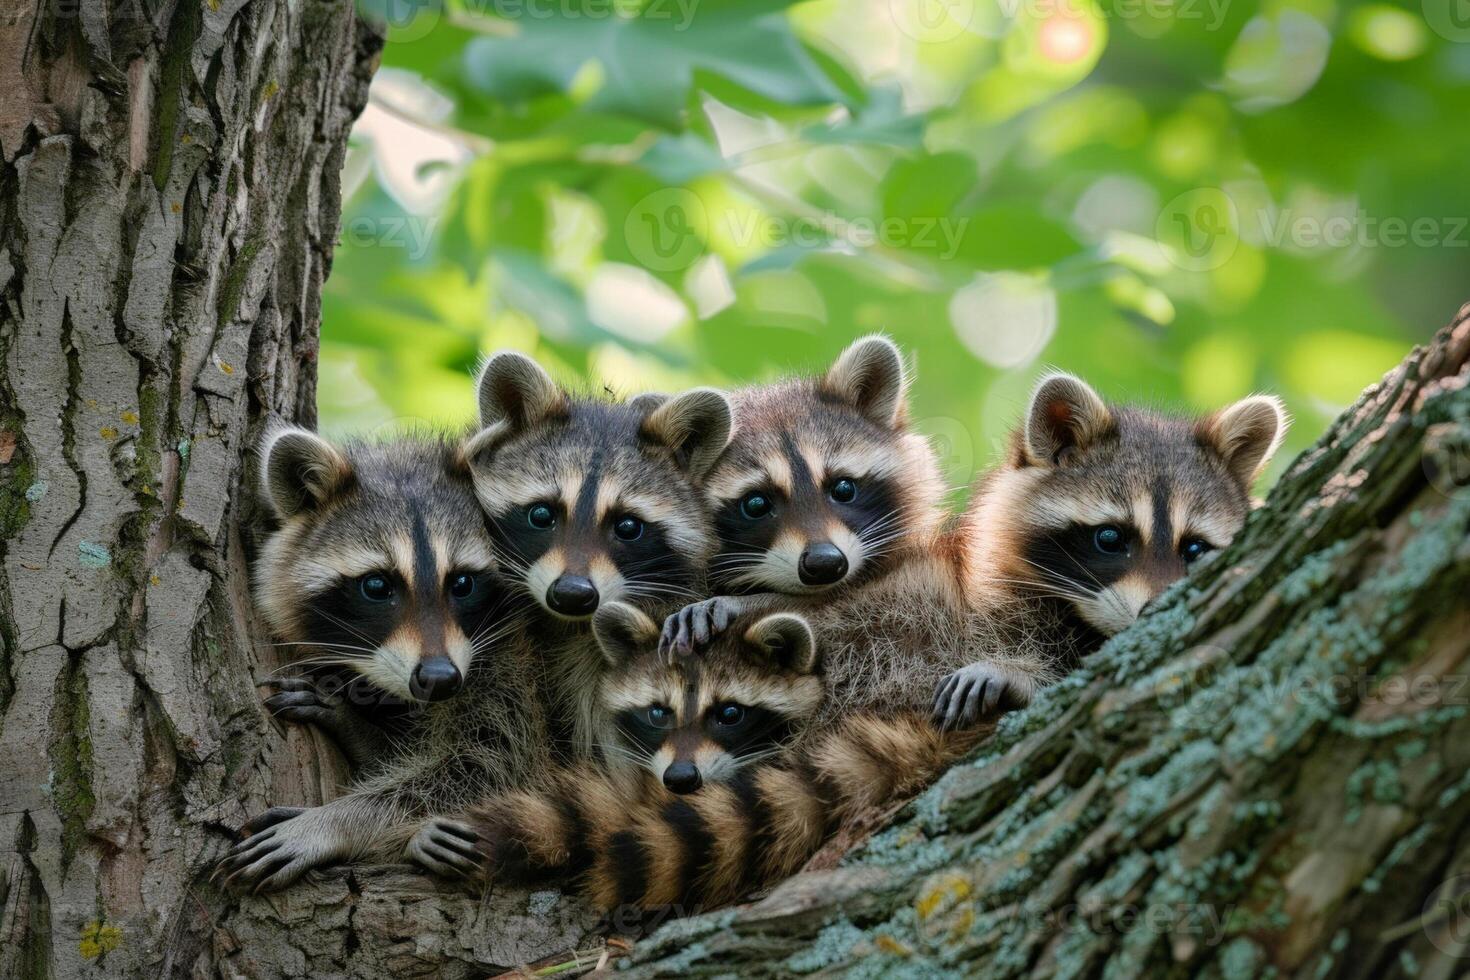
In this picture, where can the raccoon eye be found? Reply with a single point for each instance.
(375, 588)
(844, 491)
(1109, 540)
(729, 714)
(462, 586)
(541, 517)
(660, 717)
(755, 505)
(628, 529)
(1193, 548)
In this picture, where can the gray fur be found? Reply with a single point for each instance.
(489, 737)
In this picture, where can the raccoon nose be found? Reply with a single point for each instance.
(682, 777)
(434, 679)
(572, 595)
(821, 564)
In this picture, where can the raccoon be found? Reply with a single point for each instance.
(382, 565)
(721, 803)
(827, 503)
(1096, 510)
(591, 502)
(824, 484)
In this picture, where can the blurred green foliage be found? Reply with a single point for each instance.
(1181, 200)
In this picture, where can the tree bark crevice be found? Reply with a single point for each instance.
(152, 155)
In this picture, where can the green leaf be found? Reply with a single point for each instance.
(648, 62)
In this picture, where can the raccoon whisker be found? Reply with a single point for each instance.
(884, 529)
(657, 588)
(617, 752)
(322, 661)
(490, 633)
(875, 549)
(327, 646)
(483, 644)
(1075, 561)
(879, 523)
(731, 567)
(1057, 587)
(755, 758)
(743, 553)
(750, 578)
(1059, 578)
(639, 566)
(346, 626)
(742, 558)
(515, 561)
(639, 755)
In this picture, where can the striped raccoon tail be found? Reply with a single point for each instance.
(646, 848)
(867, 762)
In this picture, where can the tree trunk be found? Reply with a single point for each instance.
(169, 202)
(1271, 771)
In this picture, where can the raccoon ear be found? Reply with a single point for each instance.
(622, 632)
(1065, 416)
(695, 426)
(648, 401)
(869, 376)
(515, 389)
(1246, 435)
(787, 640)
(301, 471)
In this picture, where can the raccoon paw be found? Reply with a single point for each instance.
(280, 845)
(692, 627)
(445, 847)
(301, 702)
(978, 692)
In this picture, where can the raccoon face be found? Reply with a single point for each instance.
(704, 717)
(382, 563)
(1109, 506)
(823, 480)
(592, 502)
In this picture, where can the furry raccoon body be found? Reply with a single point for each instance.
(382, 565)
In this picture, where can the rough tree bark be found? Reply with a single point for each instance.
(168, 207)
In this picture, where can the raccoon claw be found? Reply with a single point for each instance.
(276, 851)
(975, 693)
(300, 701)
(446, 848)
(692, 627)
(269, 818)
(302, 707)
